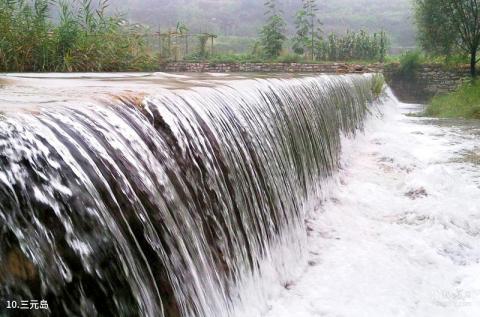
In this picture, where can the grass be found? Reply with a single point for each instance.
(463, 103)
(83, 38)
(378, 85)
(408, 63)
(252, 58)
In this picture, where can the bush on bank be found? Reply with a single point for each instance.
(407, 64)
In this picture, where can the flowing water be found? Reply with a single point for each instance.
(169, 195)
(159, 199)
(399, 234)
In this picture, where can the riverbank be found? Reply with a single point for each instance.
(463, 103)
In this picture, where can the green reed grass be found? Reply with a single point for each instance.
(85, 38)
(378, 85)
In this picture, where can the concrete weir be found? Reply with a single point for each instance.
(164, 195)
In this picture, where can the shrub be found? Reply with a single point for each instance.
(289, 58)
(410, 62)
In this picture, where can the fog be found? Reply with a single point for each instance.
(245, 17)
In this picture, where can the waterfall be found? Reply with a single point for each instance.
(177, 203)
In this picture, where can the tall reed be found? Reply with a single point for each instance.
(85, 38)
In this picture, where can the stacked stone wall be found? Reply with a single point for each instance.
(427, 81)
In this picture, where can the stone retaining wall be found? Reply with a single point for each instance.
(419, 87)
(331, 68)
(426, 82)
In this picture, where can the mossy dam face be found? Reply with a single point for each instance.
(164, 195)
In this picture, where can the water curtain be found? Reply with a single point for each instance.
(167, 205)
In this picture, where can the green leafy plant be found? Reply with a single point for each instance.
(308, 32)
(273, 32)
(410, 62)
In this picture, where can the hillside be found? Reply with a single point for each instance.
(244, 17)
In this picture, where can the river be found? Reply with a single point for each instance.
(234, 195)
(400, 233)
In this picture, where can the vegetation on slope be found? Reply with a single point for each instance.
(463, 103)
(245, 17)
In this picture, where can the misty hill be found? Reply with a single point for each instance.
(245, 17)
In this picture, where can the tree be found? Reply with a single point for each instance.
(448, 25)
(301, 39)
(435, 33)
(308, 33)
(273, 32)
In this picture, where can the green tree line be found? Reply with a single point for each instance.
(309, 41)
(449, 27)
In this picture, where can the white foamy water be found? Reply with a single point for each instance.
(400, 235)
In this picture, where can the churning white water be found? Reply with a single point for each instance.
(400, 234)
